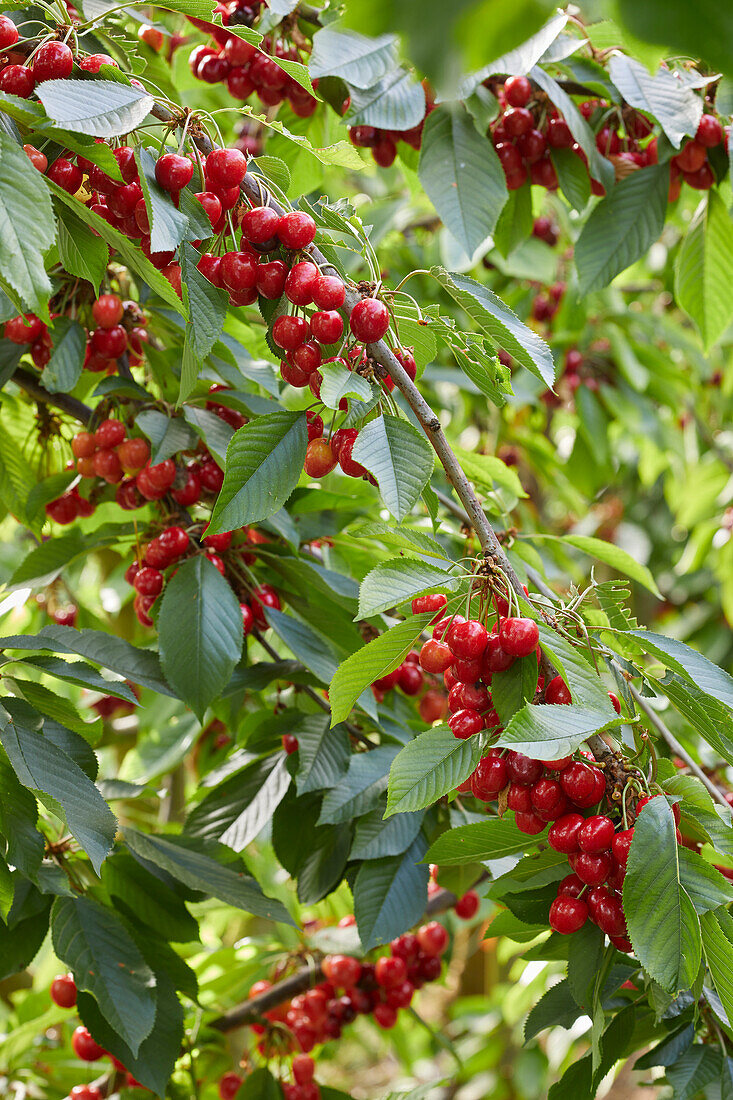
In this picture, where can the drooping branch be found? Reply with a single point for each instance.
(63, 401)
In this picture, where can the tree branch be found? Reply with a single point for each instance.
(63, 401)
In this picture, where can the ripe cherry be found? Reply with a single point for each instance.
(307, 357)
(290, 743)
(390, 971)
(226, 167)
(519, 637)
(592, 869)
(432, 602)
(263, 597)
(8, 32)
(108, 310)
(329, 292)
(467, 640)
(490, 776)
(471, 696)
(38, 159)
(519, 798)
(369, 320)
(691, 156)
(238, 271)
(109, 434)
(260, 224)
(211, 476)
(17, 80)
(271, 279)
(343, 971)
(557, 691)
(300, 283)
(24, 329)
(229, 1085)
(548, 799)
(468, 906)
(523, 769)
(615, 702)
(133, 454)
(580, 784)
(52, 61)
(290, 332)
(621, 846)
(83, 445)
(495, 658)
(465, 723)
(517, 91)
(596, 834)
(567, 915)
(563, 834)
(173, 172)
(296, 229)
(84, 1046)
(410, 678)
(433, 938)
(109, 342)
(319, 458)
(709, 132)
(529, 823)
(189, 491)
(327, 327)
(609, 915)
(432, 706)
(63, 991)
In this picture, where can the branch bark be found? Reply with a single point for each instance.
(63, 401)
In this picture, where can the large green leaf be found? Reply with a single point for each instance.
(361, 787)
(264, 462)
(622, 227)
(338, 383)
(709, 717)
(609, 553)
(496, 319)
(146, 899)
(168, 224)
(552, 730)
(462, 175)
(518, 61)
(200, 632)
(168, 434)
(112, 110)
(704, 268)
(239, 808)
(375, 838)
(81, 252)
(586, 686)
(479, 841)
(24, 845)
(97, 947)
(428, 767)
(323, 753)
(708, 889)
(395, 102)
(63, 369)
(689, 664)
(309, 647)
(510, 689)
(392, 582)
(400, 458)
(661, 919)
(675, 105)
(27, 226)
(43, 767)
(375, 660)
(191, 861)
(207, 308)
(358, 60)
(390, 895)
(717, 941)
(601, 169)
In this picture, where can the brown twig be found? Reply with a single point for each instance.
(63, 401)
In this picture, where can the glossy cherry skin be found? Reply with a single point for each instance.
(8, 32)
(548, 799)
(260, 224)
(66, 175)
(523, 769)
(467, 906)
(369, 320)
(592, 869)
(300, 283)
(519, 637)
(567, 915)
(329, 292)
(84, 1046)
(271, 279)
(342, 970)
(490, 776)
(557, 691)
(226, 167)
(52, 61)
(327, 327)
(173, 172)
(580, 784)
(290, 332)
(596, 834)
(63, 991)
(519, 798)
(468, 640)
(517, 91)
(465, 723)
(296, 229)
(319, 458)
(17, 80)
(621, 846)
(529, 823)
(709, 132)
(563, 834)
(495, 658)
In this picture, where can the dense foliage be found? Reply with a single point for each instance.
(366, 496)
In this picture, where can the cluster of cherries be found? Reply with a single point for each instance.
(52, 60)
(529, 127)
(120, 330)
(63, 993)
(383, 143)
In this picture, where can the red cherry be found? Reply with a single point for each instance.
(570, 887)
(107, 465)
(133, 454)
(151, 36)
(432, 706)
(248, 619)
(702, 180)
(211, 204)
(709, 132)
(229, 1085)
(468, 906)
(24, 329)
(93, 63)
(108, 310)
(290, 332)
(319, 459)
(390, 971)
(226, 167)
(580, 784)
(300, 283)
(329, 292)
(495, 658)
(262, 597)
(128, 496)
(433, 938)
(17, 80)
(519, 637)
(621, 846)
(343, 971)
(271, 279)
(433, 602)
(303, 1069)
(609, 915)
(8, 32)
(523, 769)
(52, 61)
(63, 991)
(470, 696)
(592, 869)
(296, 229)
(260, 224)
(519, 798)
(468, 640)
(290, 743)
(517, 91)
(529, 823)
(327, 327)
(109, 434)
(557, 691)
(212, 478)
(691, 157)
(85, 1092)
(490, 775)
(190, 491)
(567, 915)
(84, 1046)
(548, 799)
(615, 701)
(83, 445)
(66, 175)
(563, 834)
(369, 320)
(238, 271)
(465, 723)
(307, 357)
(109, 342)
(148, 581)
(466, 671)
(596, 834)
(173, 172)
(221, 541)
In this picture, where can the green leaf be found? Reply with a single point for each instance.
(704, 267)
(572, 176)
(260, 1085)
(63, 369)
(405, 538)
(699, 1066)
(375, 660)
(145, 898)
(510, 689)
(707, 888)
(188, 860)
(264, 462)
(200, 633)
(41, 766)
(239, 808)
(556, 1008)
(360, 789)
(428, 767)
(168, 434)
(45, 562)
(308, 646)
(661, 919)
(499, 323)
(480, 841)
(168, 224)
(81, 252)
(522, 58)
(358, 60)
(395, 102)
(375, 838)
(27, 227)
(515, 222)
(338, 382)
(390, 895)
(622, 227)
(717, 940)
(601, 169)
(83, 675)
(20, 943)
(323, 753)
(142, 666)
(207, 306)
(97, 947)
(711, 718)
(216, 434)
(689, 664)
(110, 110)
(24, 845)
(392, 582)
(585, 956)
(462, 175)
(611, 554)
(675, 105)
(400, 459)
(586, 686)
(552, 730)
